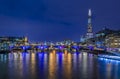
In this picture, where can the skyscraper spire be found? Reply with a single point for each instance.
(89, 12)
(89, 28)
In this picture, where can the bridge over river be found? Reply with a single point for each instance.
(59, 48)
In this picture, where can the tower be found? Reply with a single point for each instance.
(89, 28)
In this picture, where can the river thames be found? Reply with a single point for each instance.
(57, 65)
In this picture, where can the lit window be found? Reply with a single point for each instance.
(115, 44)
(115, 40)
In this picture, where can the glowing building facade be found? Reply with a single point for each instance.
(89, 28)
(6, 42)
(100, 36)
(112, 41)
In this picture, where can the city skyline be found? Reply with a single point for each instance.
(59, 39)
(44, 20)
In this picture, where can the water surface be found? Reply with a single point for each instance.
(55, 65)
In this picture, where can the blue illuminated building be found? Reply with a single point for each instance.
(100, 37)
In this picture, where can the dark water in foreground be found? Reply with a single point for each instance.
(57, 66)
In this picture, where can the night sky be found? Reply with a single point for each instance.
(56, 20)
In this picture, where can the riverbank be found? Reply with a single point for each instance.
(110, 55)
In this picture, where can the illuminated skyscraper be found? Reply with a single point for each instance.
(89, 28)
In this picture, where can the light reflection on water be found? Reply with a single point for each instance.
(57, 66)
